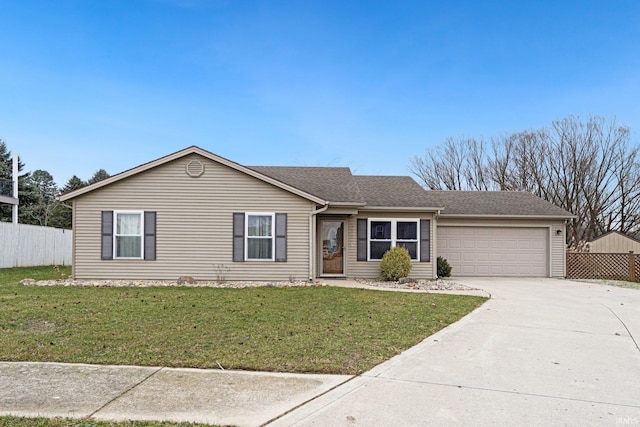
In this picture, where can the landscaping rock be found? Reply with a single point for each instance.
(28, 282)
(419, 284)
(186, 280)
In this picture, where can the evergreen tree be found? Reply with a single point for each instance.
(73, 184)
(45, 192)
(61, 217)
(98, 176)
(26, 191)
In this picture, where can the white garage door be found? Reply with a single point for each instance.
(493, 251)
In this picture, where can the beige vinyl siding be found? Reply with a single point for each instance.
(370, 269)
(557, 249)
(194, 224)
(614, 243)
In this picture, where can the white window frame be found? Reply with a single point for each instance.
(394, 235)
(115, 235)
(247, 237)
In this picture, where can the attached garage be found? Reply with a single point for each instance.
(500, 233)
(495, 251)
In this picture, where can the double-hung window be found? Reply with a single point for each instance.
(259, 236)
(128, 235)
(387, 233)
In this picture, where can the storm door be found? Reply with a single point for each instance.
(332, 246)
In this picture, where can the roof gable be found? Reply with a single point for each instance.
(182, 153)
(394, 192)
(335, 184)
(611, 232)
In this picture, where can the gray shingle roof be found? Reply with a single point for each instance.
(499, 203)
(329, 183)
(337, 184)
(394, 191)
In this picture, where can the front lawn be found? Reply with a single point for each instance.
(309, 329)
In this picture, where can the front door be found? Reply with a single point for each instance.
(332, 245)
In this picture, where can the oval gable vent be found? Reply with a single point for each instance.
(195, 168)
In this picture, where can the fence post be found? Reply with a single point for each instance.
(632, 266)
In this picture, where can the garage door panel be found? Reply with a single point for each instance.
(455, 257)
(508, 244)
(457, 233)
(455, 244)
(483, 257)
(522, 244)
(512, 270)
(468, 257)
(495, 251)
(483, 244)
(496, 257)
(468, 244)
(512, 257)
(539, 245)
(483, 270)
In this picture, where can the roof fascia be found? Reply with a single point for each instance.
(179, 154)
(347, 204)
(401, 209)
(483, 216)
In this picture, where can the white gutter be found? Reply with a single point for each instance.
(312, 234)
(497, 216)
(402, 208)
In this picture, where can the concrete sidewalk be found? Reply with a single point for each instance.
(146, 393)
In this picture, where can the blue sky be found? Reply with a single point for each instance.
(366, 84)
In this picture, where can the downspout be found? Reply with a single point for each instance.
(312, 234)
(435, 244)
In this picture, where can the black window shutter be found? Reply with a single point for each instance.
(281, 237)
(149, 236)
(106, 251)
(425, 240)
(362, 239)
(238, 236)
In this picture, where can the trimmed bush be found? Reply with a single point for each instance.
(395, 264)
(444, 269)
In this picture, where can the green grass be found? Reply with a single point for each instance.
(622, 284)
(618, 283)
(69, 422)
(311, 329)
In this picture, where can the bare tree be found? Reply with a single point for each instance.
(476, 170)
(458, 164)
(590, 168)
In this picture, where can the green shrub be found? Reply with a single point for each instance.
(444, 269)
(395, 264)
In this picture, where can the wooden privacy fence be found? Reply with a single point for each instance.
(24, 245)
(584, 265)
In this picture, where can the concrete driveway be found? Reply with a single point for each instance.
(540, 352)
